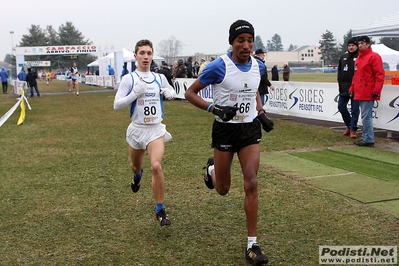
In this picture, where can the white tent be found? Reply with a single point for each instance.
(388, 55)
(127, 57)
(385, 27)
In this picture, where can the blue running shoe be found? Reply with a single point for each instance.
(136, 182)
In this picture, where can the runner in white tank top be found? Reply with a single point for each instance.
(143, 91)
(237, 108)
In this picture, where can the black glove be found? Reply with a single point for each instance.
(350, 94)
(267, 124)
(374, 95)
(226, 113)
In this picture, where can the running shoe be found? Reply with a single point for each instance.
(255, 256)
(207, 174)
(162, 218)
(135, 185)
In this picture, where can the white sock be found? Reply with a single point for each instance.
(251, 240)
(210, 169)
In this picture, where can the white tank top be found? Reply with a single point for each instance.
(238, 89)
(148, 109)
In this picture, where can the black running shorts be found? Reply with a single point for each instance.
(233, 137)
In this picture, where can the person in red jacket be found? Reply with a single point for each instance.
(366, 87)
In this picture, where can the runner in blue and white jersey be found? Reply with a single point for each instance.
(75, 78)
(69, 79)
(143, 91)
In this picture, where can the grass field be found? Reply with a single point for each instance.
(66, 199)
(312, 77)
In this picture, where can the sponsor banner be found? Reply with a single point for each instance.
(320, 101)
(181, 86)
(91, 80)
(355, 255)
(67, 49)
(109, 81)
(310, 100)
(37, 63)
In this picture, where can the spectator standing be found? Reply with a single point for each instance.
(366, 87)
(196, 69)
(124, 70)
(111, 70)
(202, 66)
(21, 75)
(264, 81)
(141, 91)
(167, 73)
(235, 78)
(189, 67)
(345, 71)
(174, 69)
(181, 70)
(4, 80)
(154, 66)
(275, 76)
(32, 83)
(286, 72)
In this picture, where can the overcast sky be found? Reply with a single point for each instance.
(201, 25)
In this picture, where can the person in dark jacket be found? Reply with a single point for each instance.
(345, 71)
(196, 68)
(124, 70)
(32, 83)
(275, 76)
(166, 72)
(286, 72)
(189, 67)
(4, 79)
(181, 71)
(264, 81)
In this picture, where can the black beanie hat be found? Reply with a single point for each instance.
(352, 40)
(238, 27)
(365, 39)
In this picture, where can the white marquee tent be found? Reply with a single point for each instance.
(385, 27)
(127, 57)
(388, 55)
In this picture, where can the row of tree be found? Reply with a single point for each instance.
(330, 49)
(67, 34)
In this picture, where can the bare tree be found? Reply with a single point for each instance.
(170, 48)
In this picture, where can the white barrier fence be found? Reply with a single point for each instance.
(301, 99)
(315, 101)
(101, 81)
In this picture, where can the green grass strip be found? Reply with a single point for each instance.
(353, 163)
